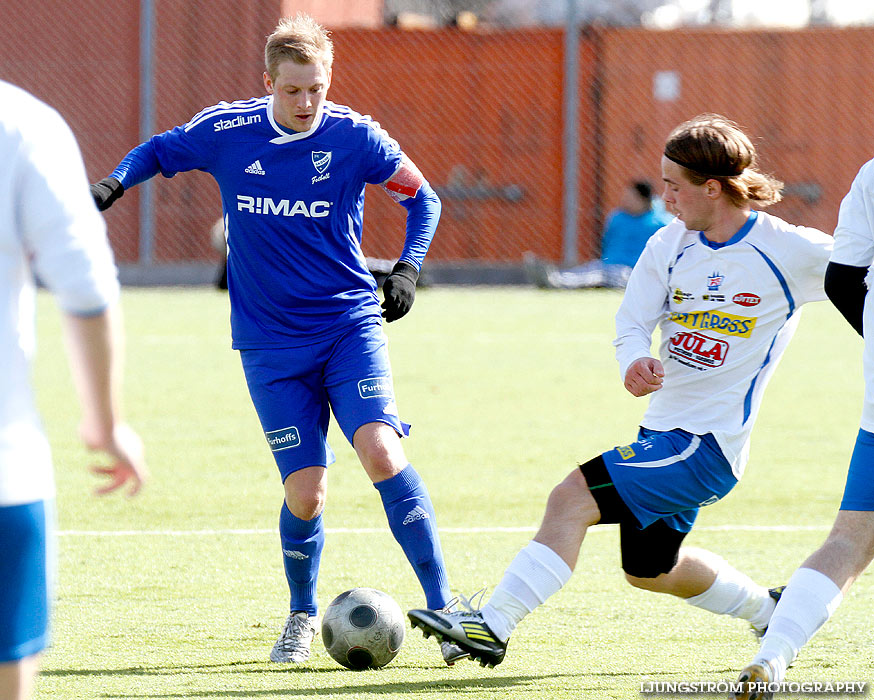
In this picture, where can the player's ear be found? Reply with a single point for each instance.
(713, 188)
(268, 83)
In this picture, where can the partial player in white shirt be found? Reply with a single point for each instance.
(49, 226)
(724, 284)
(817, 587)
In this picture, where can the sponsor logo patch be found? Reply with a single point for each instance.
(223, 124)
(373, 387)
(626, 451)
(716, 321)
(283, 439)
(283, 207)
(746, 299)
(698, 350)
(680, 296)
(714, 297)
(256, 169)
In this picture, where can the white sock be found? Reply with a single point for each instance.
(736, 594)
(808, 602)
(534, 574)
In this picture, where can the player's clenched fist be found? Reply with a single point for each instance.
(106, 192)
(644, 376)
(399, 290)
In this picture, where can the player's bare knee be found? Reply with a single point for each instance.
(379, 450)
(380, 467)
(304, 496)
(572, 498)
(646, 583)
(635, 581)
(306, 506)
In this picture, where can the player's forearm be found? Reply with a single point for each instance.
(845, 287)
(137, 166)
(639, 313)
(95, 348)
(629, 349)
(423, 213)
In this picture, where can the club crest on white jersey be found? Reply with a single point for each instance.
(714, 282)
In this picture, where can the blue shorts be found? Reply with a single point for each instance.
(669, 476)
(296, 389)
(859, 491)
(25, 565)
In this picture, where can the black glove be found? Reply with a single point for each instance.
(106, 192)
(399, 290)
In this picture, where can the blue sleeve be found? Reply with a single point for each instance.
(137, 166)
(423, 213)
(385, 156)
(178, 150)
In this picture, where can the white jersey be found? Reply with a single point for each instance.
(726, 313)
(854, 245)
(48, 224)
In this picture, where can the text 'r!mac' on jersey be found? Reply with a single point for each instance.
(293, 204)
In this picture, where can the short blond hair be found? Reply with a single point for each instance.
(300, 39)
(712, 147)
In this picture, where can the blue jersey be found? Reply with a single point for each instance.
(293, 205)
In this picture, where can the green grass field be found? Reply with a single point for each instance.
(179, 593)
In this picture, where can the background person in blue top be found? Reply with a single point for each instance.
(629, 226)
(292, 167)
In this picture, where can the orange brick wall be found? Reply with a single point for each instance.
(805, 96)
(481, 113)
(484, 116)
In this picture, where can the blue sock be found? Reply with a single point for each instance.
(413, 523)
(302, 542)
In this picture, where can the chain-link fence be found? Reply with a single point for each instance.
(483, 112)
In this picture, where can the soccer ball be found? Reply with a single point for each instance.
(363, 628)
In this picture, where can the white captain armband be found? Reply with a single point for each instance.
(406, 181)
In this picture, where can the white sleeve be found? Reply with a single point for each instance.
(61, 229)
(854, 235)
(807, 262)
(644, 304)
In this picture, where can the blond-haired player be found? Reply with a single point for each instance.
(292, 168)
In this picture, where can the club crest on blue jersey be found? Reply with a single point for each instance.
(321, 160)
(714, 282)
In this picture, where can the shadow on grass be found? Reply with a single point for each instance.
(349, 687)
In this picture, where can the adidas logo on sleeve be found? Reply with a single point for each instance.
(256, 169)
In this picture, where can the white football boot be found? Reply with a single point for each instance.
(293, 646)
